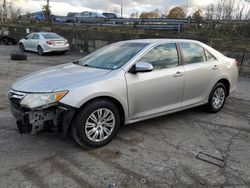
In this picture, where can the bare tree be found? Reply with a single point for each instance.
(247, 12)
(239, 11)
(226, 10)
(13, 12)
(8, 11)
(210, 11)
(115, 10)
(134, 15)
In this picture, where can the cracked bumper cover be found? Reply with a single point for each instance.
(35, 121)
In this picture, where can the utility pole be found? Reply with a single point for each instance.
(4, 11)
(48, 3)
(121, 9)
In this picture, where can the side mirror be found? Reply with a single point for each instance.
(142, 67)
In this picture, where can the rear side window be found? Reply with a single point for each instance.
(209, 56)
(192, 53)
(162, 56)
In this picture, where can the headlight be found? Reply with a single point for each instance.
(43, 99)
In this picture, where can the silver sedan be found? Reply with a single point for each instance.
(44, 42)
(123, 83)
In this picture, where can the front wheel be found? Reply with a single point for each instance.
(96, 124)
(40, 50)
(217, 98)
(22, 48)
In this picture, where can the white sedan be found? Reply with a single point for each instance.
(44, 42)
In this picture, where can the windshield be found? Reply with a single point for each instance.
(51, 36)
(113, 56)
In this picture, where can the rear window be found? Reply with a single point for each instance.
(192, 53)
(51, 36)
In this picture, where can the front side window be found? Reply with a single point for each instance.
(162, 56)
(85, 14)
(113, 56)
(30, 36)
(36, 36)
(192, 53)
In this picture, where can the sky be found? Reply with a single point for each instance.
(62, 7)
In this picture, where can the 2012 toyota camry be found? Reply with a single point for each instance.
(44, 42)
(122, 83)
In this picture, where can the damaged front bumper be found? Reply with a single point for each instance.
(34, 121)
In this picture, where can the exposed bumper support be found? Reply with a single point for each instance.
(35, 121)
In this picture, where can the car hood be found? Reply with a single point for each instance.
(50, 79)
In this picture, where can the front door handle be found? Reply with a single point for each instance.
(178, 74)
(215, 67)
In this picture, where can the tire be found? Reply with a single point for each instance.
(84, 129)
(63, 52)
(215, 104)
(40, 51)
(22, 48)
(18, 56)
(5, 41)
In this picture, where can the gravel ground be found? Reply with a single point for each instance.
(160, 152)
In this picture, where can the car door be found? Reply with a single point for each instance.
(35, 42)
(200, 71)
(158, 91)
(28, 41)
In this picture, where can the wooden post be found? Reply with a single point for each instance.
(242, 58)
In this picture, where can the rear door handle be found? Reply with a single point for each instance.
(215, 67)
(178, 74)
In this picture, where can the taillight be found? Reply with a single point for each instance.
(50, 42)
(237, 63)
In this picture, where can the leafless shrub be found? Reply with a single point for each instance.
(8, 11)
(227, 10)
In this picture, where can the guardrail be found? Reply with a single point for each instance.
(144, 23)
(138, 23)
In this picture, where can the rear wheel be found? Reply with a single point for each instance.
(40, 50)
(5, 41)
(63, 52)
(96, 124)
(217, 98)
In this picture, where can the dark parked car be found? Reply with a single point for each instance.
(87, 14)
(74, 14)
(109, 15)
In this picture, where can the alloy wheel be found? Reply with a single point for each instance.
(40, 50)
(22, 47)
(100, 125)
(218, 98)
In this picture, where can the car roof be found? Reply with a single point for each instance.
(216, 53)
(152, 41)
(109, 13)
(41, 33)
